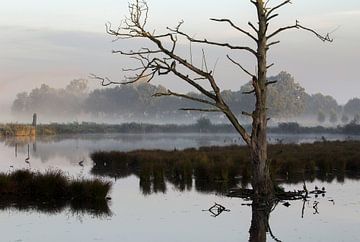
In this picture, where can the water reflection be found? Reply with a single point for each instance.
(71, 147)
(260, 214)
(183, 175)
(99, 209)
(163, 215)
(206, 176)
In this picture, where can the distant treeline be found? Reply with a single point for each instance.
(203, 125)
(286, 100)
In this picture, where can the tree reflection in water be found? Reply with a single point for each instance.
(260, 225)
(209, 176)
(214, 169)
(100, 209)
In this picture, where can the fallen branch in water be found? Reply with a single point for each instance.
(217, 209)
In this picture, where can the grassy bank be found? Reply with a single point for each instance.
(52, 191)
(17, 130)
(202, 126)
(221, 168)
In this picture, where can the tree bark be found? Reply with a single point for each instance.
(261, 181)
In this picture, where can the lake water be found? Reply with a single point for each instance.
(169, 213)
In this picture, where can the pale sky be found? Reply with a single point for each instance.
(53, 42)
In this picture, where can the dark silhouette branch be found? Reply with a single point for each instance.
(170, 93)
(273, 43)
(270, 82)
(325, 38)
(249, 92)
(237, 27)
(247, 114)
(253, 27)
(276, 7)
(269, 66)
(205, 41)
(201, 110)
(240, 66)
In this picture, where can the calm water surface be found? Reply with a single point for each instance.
(170, 214)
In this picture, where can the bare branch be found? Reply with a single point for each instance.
(105, 81)
(325, 38)
(204, 60)
(170, 93)
(271, 17)
(273, 43)
(200, 110)
(282, 29)
(277, 7)
(247, 114)
(249, 92)
(240, 66)
(194, 84)
(205, 41)
(236, 27)
(271, 82)
(269, 66)
(253, 27)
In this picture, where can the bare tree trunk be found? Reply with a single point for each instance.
(261, 180)
(162, 59)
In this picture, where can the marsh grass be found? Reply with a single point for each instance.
(221, 168)
(52, 191)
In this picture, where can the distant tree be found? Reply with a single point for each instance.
(48, 101)
(321, 117)
(333, 117)
(352, 107)
(77, 86)
(356, 119)
(162, 58)
(345, 119)
(203, 123)
(286, 98)
(291, 127)
(20, 104)
(319, 102)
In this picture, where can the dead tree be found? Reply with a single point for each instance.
(163, 59)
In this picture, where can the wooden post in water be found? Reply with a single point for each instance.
(34, 120)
